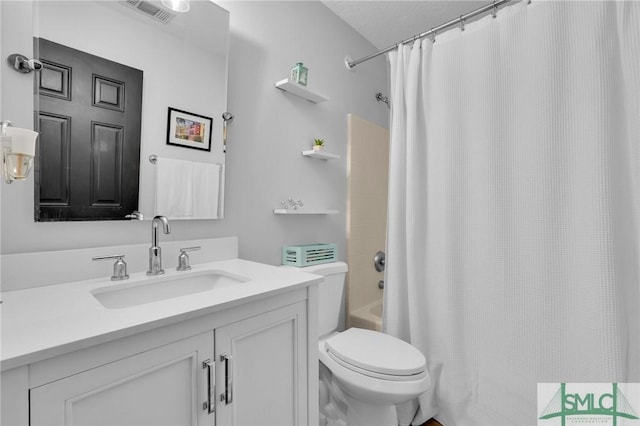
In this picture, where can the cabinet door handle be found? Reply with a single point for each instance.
(227, 395)
(210, 404)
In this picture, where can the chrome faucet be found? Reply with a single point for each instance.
(155, 253)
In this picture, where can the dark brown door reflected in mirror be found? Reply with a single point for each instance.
(88, 159)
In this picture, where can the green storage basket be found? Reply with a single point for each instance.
(309, 254)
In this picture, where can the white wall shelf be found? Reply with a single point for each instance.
(320, 154)
(305, 211)
(299, 90)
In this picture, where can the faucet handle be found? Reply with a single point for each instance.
(119, 267)
(183, 258)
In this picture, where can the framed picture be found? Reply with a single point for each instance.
(189, 130)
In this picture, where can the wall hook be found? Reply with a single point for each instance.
(23, 64)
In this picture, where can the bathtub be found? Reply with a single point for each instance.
(368, 316)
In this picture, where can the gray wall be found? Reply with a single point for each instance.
(264, 165)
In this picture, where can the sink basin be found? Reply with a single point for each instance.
(163, 287)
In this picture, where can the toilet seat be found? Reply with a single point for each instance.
(376, 355)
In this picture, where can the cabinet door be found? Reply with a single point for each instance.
(163, 386)
(262, 369)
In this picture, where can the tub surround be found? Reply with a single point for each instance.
(368, 316)
(368, 175)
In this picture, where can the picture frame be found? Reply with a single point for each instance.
(189, 130)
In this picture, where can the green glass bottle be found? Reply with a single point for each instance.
(300, 74)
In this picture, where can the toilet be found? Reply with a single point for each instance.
(365, 375)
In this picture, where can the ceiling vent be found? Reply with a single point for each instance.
(151, 10)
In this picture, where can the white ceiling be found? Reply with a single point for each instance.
(385, 23)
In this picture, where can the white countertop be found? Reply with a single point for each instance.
(42, 322)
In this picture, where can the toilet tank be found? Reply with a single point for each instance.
(330, 294)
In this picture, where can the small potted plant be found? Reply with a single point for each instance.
(318, 144)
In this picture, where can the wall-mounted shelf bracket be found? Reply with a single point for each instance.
(300, 90)
(320, 154)
(305, 211)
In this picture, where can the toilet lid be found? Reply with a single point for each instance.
(376, 352)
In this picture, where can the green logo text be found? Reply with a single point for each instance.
(565, 404)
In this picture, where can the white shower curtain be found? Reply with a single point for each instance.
(513, 245)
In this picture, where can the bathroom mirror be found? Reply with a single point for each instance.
(183, 60)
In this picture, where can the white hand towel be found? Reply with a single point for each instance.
(206, 190)
(174, 188)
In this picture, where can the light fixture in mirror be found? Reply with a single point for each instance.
(162, 50)
(177, 5)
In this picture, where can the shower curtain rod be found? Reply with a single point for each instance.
(457, 21)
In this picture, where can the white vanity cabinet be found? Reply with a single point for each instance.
(261, 369)
(263, 372)
(162, 386)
